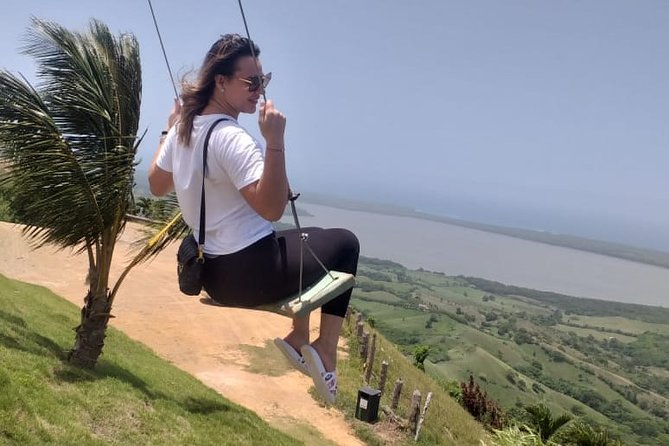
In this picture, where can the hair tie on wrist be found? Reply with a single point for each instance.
(276, 150)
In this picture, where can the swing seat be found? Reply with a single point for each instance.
(317, 295)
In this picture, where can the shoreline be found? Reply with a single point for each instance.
(456, 250)
(610, 249)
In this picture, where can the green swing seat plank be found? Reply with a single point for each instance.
(317, 295)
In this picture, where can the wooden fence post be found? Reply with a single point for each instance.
(370, 359)
(422, 415)
(396, 393)
(359, 330)
(415, 410)
(384, 376)
(364, 344)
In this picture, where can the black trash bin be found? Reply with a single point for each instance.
(367, 407)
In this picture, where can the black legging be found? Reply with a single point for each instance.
(269, 270)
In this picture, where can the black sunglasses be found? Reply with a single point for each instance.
(255, 82)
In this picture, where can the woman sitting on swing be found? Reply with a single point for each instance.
(248, 264)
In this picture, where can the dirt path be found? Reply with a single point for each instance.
(207, 342)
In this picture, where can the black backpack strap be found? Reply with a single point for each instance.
(200, 241)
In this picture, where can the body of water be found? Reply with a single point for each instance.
(456, 250)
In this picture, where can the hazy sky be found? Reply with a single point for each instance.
(545, 114)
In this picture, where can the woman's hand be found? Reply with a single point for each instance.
(268, 196)
(272, 125)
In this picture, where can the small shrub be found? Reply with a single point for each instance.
(477, 403)
(420, 354)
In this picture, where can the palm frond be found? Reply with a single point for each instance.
(159, 236)
(519, 436)
(583, 434)
(561, 421)
(96, 92)
(155, 239)
(47, 180)
(71, 145)
(161, 232)
(541, 419)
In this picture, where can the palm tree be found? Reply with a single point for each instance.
(69, 146)
(541, 420)
(519, 436)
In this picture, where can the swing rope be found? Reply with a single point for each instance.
(304, 242)
(160, 39)
(248, 36)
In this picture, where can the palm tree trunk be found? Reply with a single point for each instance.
(91, 332)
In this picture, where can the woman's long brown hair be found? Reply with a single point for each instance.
(220, 59)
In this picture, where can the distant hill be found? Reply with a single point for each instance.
(142, 183)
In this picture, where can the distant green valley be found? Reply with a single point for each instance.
(604, 362)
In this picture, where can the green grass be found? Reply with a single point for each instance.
(599, 335)
(618, 323)
(132, 397)
(380, 296)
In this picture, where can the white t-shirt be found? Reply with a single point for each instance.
(235, 160)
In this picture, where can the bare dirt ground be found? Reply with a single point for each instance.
(208, 342)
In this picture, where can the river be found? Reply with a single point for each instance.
(457, 250)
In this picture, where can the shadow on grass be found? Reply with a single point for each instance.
(105, 369)
(204, 406)
(18, 335)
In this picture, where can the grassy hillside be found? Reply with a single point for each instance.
(131, 398)
(446, 422)
(601, 361)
